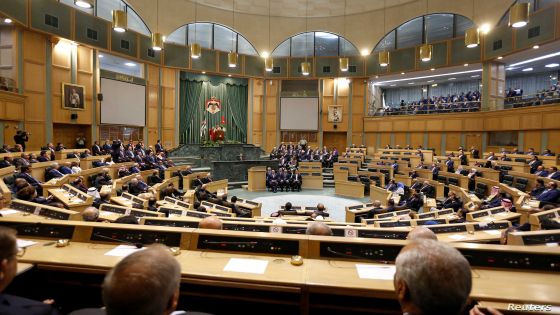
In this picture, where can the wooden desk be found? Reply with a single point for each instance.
(188, 179)
(219, 187)
(4, 189)
(253, 206)
(62, 154)
(349, 189)
(536, 218)
(129, 200)
(405, 179)
(54, 183)
(168, 173)
(163, 185)
(491, 215)
(311, 180)
(38, 169)
(114, 168)
(463, 180)
(351, 168)
(256, 178)
(381, 194)
(72, 198)
(87, 163)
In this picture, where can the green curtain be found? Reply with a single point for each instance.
(195, 90)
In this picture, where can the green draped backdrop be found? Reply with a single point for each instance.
(195, 90)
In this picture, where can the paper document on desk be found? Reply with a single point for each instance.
(376, 272)
(123, 250)
(24, 243)
(457, 237)
(257, 266)
(493, 232)
(7, 212)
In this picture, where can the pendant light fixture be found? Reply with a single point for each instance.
(472, 35)
(519, 15)
(343, 61)
(268, 62)
(157, 37)
(384, 56)
(85, 4)
(232, 55)
(196, 52)
(119, 21)
(305, 66)
(425, 49)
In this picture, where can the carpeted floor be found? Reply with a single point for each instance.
(272, 201)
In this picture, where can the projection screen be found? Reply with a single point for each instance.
(299, 113)
(123, 103)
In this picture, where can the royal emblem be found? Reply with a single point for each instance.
(213, 105)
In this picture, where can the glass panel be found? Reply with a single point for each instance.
(440, 27)
(223, 37)
(283, 50)
(121, 65)
(545, 3)
(503, 138)
(326, 44)
(462, 24)
(135, 23)
(302, 45)
(71, 3)
(244, 47)
(203, 34)
(387, 43)
(410, 33)
(179, 36)
(104, 8)
(347, 48)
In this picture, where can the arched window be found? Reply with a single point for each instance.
(321, 44)
(212, 36)
(103, 8)
(433, 27)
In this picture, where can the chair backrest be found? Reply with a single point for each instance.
(523, 181)
(520, 160)
(521, 187)
(505, 168)
(481, 186)
(453, 181)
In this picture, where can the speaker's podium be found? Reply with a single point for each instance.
(257, 179)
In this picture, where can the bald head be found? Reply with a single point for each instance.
(90, 214)
(420, 233)
(155, 271)
(212, 223)
(318, 228)
(432, 278)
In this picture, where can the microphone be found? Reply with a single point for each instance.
(344, 255)
(137, 245)
(229, 243)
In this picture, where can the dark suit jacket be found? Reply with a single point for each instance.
(549, 195)
(475, 154)
(429, 191)
(96, 150)
(10, 304)
(555, 175)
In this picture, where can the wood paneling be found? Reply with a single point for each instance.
(532, 139)
(34, 86)
(434, 141)
(452, 141)
(554, 140)
(67, 134)
(400, 139)
(416, 139)
(335, 139)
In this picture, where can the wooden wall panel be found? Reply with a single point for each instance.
(434, 141)
(34, 86)
(67, 134)
(554, 140)
(371, 139)
(152, 104)
(335, 140)
(385, 139)
(452, 141)
(532, 139)
(400, 139)
(473, 139)
(416, 139)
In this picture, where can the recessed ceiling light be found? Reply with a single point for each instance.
(83, 4)
(510, 68)
(433, 69)
(429, 77)
(393, 85)
(430, 81)
(8, 21)
(101, 56)
(466, 65)
(452, 79)
(475, 76)
(402, 72)
(536, 47)
(552, 65)
(500, 57)
(411, 83)
(527, 69)
(434, 85)
(130, 64)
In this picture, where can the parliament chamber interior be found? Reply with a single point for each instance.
(279, 157)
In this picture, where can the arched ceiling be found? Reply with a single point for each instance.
(366, 23)
(296, 8)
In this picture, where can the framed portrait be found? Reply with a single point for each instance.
(73, 96)
(335, 114)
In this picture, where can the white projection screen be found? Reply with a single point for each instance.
(299, 113)
(123, 103)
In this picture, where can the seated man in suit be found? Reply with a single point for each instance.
(541, 171)
(66, 168)
(102, 178)
(547, 152)
(135, 188)
(414, 203)
(417, 185)
(154, 178)
(53, 172)
(202, 194)
(318, 228)
(85, 154)
(79, 184)
(377, 209)
(534, 163)
(538, 188)
(43, 156)
(10, 304)
(187, 171)
(435, 171)
(550, 194)
(283, 179)
(450, 165)
(504, 157)
(6, 162)
(432, 278)
(25, 173)
(428, 190)
(553, 173)
(273, 181)
(197, 182)
(321, 211)
(295, 181)
(452, 201)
